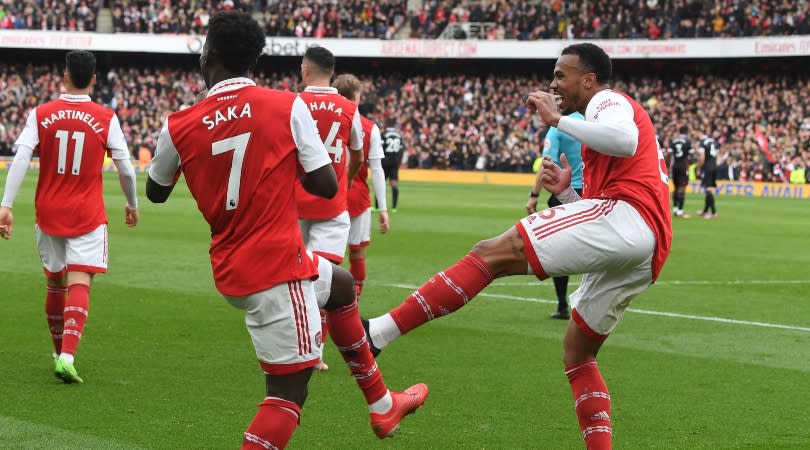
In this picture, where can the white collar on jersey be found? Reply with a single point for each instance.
(231, 84)
(74, 98)
(321, 89)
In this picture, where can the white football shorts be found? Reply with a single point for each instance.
(607, 241)
(360, 231)
(327, 238)
(323, 285)
(285, 326)
(85, 253)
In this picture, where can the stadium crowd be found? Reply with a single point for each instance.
(70, 15)
(524, 20)
(476, 122)
(349, 19)
(616, 19)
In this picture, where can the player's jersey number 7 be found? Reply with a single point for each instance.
(238, 144)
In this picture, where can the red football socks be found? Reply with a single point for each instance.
(444, 293)
(350, 339)
(592, 403)
(273, 425)
(77, 305)
(54, 311)
(357, 267)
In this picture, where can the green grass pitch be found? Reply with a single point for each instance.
(715, 355)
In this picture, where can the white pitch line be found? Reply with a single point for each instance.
(634, 310)
(680, 282)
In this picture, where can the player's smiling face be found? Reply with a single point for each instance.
(567, 84)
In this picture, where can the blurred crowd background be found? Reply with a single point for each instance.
(464, 121)
(522, 19)
(474, 122)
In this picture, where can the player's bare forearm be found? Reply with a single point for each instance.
(157, 193)
(355, 162)
(321, 182)
(531, 203)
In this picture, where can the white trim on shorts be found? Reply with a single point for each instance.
(360, 230)
(85, 253)
(605, 239)
(328, 237)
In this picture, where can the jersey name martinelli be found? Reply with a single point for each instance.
(339, 125)
(73, 134)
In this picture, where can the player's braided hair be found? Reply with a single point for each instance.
(237, 39)
(81, 65)
(593, 59)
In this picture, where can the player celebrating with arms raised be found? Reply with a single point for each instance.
(618, 235)
(72, 134)
(240, 149)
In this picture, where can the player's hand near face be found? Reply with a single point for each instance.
(6, 222)
(131, 216)
(385, 222)
(545, 104)
(555, 178)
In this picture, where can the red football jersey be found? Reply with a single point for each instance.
(240, 150)
(640, 180)
(73, 135)
(358, 199)
(339, 126)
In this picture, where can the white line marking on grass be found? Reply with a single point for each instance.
(633, 310)
(680, 282)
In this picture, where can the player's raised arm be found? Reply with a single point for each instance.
(319, 176)
(164, 170)
(608, 126)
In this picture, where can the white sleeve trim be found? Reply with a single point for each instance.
(375, 150)
(608, 128)
(126, 176)
(116, 142)
(569, 195)
(311, 152)
(166, 161)
(378, 182)
(16, 174)
(29, 136)
(356, 135)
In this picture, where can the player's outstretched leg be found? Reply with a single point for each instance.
(386, 408)
(591, 397)
(454, 287)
